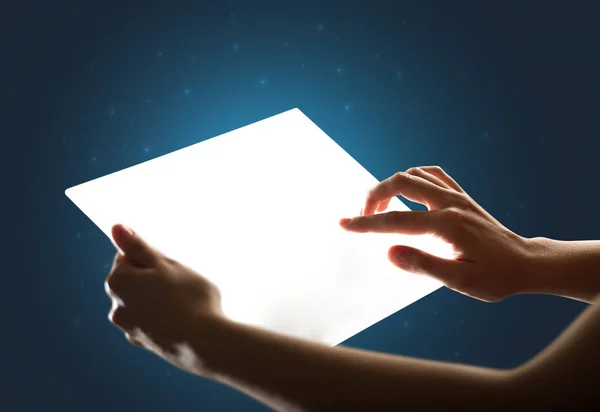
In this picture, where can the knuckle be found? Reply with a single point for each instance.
(372, 192)
(454, 217)
(114, 281)
(434, 169)
(391, 217)
(437, 169)
(456, 214)
(414, 170)
(460, 200)
(400, 177)
(118, 279)
(118, 316)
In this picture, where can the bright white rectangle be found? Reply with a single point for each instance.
(256, 211)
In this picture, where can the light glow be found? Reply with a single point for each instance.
(256, 212)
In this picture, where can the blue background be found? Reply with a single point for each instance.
(503, 95)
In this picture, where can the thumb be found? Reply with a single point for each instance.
(135, 249)
(413, 260)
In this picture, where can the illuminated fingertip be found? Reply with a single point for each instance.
(345, 221)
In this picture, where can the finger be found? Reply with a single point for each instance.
(383, 205)
(136, 250)
(132, 340)
(419, 172)
(443, 176)
(118, 261)
(119, 316)
(413, 188)
(115, 281)
(451, 272)
(116, 300)
(423, 173)
(122, 288)
(410, 223)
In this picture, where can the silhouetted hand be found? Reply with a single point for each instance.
(491, 260)
(159, 303)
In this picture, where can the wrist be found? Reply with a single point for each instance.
(208, 335)
(564, 268)
(532, 278)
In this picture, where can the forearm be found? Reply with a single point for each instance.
(290, 374)
(564, 268)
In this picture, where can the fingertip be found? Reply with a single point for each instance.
(344, 221)
(118, 230)
(121, 231)
(398, 255)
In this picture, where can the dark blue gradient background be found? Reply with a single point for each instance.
(503, 95)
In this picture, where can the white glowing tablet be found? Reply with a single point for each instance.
(256, 211)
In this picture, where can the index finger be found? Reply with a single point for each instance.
(411, 187)
(409, 223)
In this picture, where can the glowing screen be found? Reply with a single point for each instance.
(256, 211)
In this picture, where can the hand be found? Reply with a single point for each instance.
(492, 259)
(158, 302)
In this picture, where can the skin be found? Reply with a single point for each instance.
(174, 312)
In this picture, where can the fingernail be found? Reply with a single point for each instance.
(400, 257)
(128, 230)
(345, 221)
